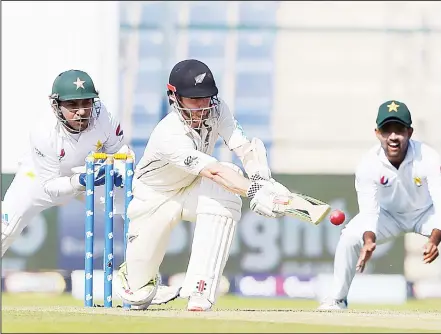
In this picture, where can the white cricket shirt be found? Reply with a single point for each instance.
(410, 189)
(54, 151)
(175, 153)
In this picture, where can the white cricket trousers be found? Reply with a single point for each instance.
(389, 226)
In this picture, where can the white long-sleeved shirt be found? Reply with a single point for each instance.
(175, 153)
(412, 188)
(54, 151)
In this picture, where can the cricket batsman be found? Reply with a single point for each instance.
(53, 170)
(177, 179)
(398, 184)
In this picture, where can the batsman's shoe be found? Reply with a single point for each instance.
(166, 294)
(141, 297)
(197, 302)
(332, 304)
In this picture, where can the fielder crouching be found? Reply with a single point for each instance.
(178, 179)
(398, 184)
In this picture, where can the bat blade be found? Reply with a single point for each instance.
(303, 207)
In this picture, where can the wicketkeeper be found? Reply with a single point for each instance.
(53, 170)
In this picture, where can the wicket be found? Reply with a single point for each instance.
(108, 223)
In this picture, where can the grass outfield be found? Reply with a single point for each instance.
(62, 314)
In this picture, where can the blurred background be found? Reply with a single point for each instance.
(305, 77)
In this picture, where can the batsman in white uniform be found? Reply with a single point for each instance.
(52, 172)
(398, 184)
(177, 179)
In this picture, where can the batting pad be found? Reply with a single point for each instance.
(212, 241)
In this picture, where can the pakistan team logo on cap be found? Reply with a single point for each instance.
(393, 107)
(79, 83)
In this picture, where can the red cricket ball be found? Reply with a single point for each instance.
(337, 217)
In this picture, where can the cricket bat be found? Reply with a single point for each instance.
(303, 207)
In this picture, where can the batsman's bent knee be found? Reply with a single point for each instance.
(142, 297)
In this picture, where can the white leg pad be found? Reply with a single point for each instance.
(210, 250)
(217, 213)
(140, 298)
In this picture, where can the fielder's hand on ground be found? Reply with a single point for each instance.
(365, 255)
(430, 252)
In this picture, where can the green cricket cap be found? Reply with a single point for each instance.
(393, 111)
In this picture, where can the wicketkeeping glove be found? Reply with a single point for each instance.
(100, 175)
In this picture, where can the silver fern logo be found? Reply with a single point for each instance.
(190, 161)
(199, 78)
